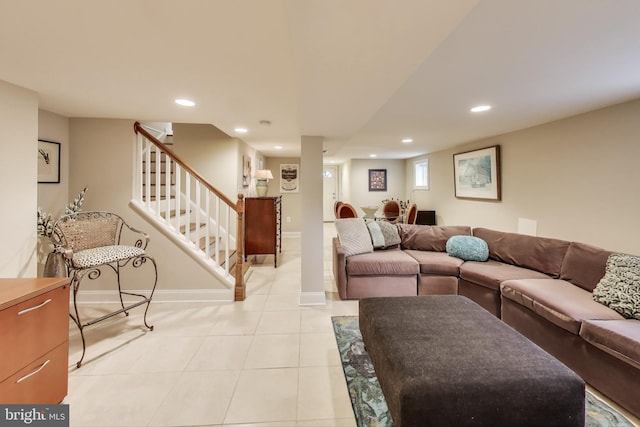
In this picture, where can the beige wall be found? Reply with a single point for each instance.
(101, 158)
(576, 177)
(291, 202)
(53, 198)
(359, 182)
(212, 153)
(18, 180)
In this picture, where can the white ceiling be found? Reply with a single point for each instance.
(361, 73)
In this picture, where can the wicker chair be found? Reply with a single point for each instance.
(91, 241)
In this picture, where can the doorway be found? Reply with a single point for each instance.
(329, 192)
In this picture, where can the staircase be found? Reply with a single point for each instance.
(187, 209)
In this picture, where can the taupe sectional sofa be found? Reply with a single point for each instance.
(540, 286)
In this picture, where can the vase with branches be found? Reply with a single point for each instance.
(54, 265)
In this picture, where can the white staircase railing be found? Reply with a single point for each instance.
(188, 210)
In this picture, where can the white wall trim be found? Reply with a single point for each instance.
(172, 295)
(291, 234)
(312, 298)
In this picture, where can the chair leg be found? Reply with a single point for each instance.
(155, 283)
(116, 268)
(75, 284)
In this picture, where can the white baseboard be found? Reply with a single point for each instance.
(312, 298)
(173, 295)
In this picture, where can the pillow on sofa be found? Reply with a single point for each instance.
(619, 289)
(354, 236)
(468, 248)
(383, 234)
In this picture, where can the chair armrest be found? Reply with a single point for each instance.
(339, 268)
(143, 240)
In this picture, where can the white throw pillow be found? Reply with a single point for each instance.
(354, 236)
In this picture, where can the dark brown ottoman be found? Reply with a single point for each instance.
(445, 361)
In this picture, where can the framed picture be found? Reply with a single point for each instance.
(377, 180)
(246, 171)
(289, 178)
(48, 162)
(477, 174)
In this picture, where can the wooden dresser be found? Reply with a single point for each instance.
(263, 226)
(34, 337)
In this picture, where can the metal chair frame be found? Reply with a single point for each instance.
(84, 231)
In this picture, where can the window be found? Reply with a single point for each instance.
(421, 174)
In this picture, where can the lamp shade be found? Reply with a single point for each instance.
(263, 174)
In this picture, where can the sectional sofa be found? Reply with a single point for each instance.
(542, 287)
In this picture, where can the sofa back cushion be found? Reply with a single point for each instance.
(354, 236)
(537, 253)
(584, 265)
(429, 238)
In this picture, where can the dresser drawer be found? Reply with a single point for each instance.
(40, 382)
(32, 328)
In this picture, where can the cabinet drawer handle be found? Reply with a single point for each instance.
(26, 310)
(34, 372)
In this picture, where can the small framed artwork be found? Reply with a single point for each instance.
(48, 162)
(377, 180)
(289, 178)
(477, 174)
(246, 171)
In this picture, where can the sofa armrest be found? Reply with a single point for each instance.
(339, 268)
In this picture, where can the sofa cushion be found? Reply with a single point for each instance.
(468, 248)
(584, 265)
(383, 234)
(491, 273)
(439, 263)
(429, 238)
(537, 253)
(385, 263)
(354, 236)
(619, 289)
(620, 338)
(558, 301)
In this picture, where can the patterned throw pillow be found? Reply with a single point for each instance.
(383, 234)
(354, 236)
(468, 248)
(619, 288)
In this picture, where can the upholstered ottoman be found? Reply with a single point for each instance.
(445, 361)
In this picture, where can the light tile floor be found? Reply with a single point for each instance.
(266, 361)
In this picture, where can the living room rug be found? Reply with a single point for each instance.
(368, 401)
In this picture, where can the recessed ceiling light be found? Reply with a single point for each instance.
(278, 147)
(407, 140)
(480, 108)
(185, 102)
(241, 130)
(373, 155)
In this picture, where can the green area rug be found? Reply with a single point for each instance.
(368, 400)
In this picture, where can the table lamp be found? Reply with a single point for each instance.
(262, 176)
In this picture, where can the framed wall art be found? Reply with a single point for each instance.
(48, 162)
(477, 174)
(246, 171)
(290, 178)
(377, 180)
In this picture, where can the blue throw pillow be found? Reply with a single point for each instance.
(468, 248)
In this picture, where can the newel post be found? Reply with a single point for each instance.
(240, 290)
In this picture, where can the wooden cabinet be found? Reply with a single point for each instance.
(263, 226)
(34, 336)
